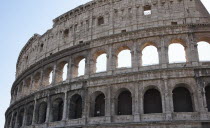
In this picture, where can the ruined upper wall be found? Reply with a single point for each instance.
(101, 18)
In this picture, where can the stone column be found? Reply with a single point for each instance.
(54, 74)
(86, 105)
(114, 61)
(196, 103)
(92, 65)
(135, 57)
(73, 70)
(30, 86)
(69, 72)
(48, 110)
(112, 104)
(200, 96)
(163, 56)
(140, 58)
(141, 95)
(108, 104)
(32, 83)
(136, 104)
(110, 60)
(163, 53)
(34, 112)
(65, 106)
(166, 100)
(24, 116)
(16, 120)
(41, 78)
(192, 51)
(23, 89)
(87, 65)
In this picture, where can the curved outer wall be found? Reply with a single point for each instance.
(109, 26)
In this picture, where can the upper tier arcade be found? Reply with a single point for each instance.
(103, 18)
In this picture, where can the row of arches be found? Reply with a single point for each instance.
(152, 103)
(149, 56)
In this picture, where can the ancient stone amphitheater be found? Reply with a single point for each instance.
(161, 95)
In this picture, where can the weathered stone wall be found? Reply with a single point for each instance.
(81, 24)
(77, 34)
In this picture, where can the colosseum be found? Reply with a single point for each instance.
(53, 89)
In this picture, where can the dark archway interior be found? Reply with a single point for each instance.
(20, 118)
(14, 119)
(42, 111)
(182, 100)
(152, 102)
(207, 89)
(75, 107)
(99, 105)
(124, 103)
(29, 115)
(57, 110)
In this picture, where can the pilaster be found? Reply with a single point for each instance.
(65, 106)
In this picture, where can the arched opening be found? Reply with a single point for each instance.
(57, 110)
(81, 67)
(99, 105)
(204, 51)
(20, 118)
(37, 77)
(207, 94)
(124, 106)
(61, 73)
(27, 85)
(29, 115)
(75, 111)
(150, 56)
(101, 63)
(152, 102)
(176, 53)
(48, 77)
(65, 71)
(124, 59)
(42, 111)
(182, 100)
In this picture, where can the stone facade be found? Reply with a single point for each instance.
(118, 97)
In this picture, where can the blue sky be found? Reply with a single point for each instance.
(19, 20)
